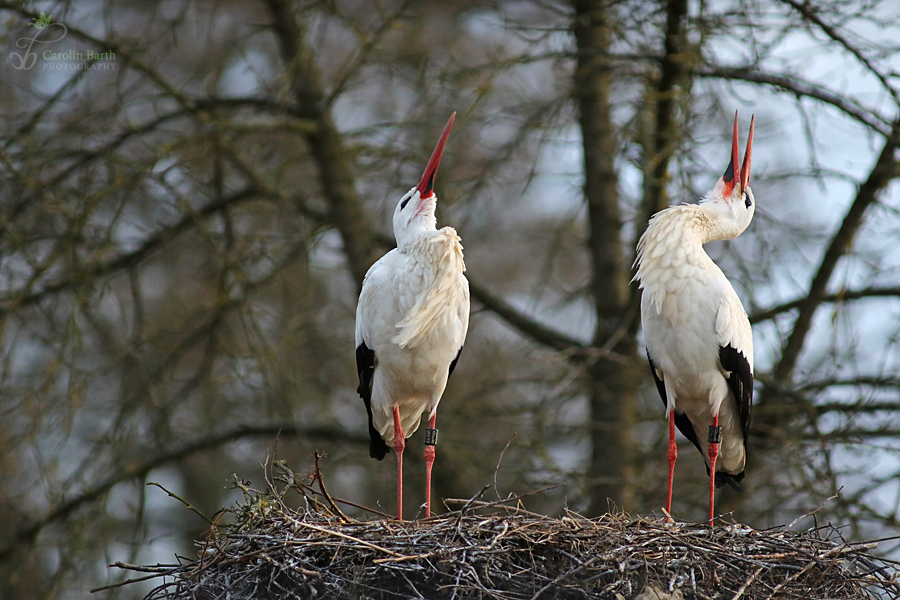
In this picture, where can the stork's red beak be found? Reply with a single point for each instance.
(731, 173)
(745, 168)
(426, 184)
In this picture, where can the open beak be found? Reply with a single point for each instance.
(426, 184)
(732, 174)
(745, 168)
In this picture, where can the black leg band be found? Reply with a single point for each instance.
(715, 434)
(431, 437)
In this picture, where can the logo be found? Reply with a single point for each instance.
(96, 61)
(42, 21)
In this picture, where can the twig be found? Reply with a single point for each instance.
(318, 474)
(747, 583)
(157, 572)
(351, 538)
(500, 460)
(125, 582)
(365, 508)
(187, 504)
(499, 502)
(812, 512)
(470, 501)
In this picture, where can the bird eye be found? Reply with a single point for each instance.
(403, 204)
(748, 202)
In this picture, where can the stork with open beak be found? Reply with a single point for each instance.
(698, 336)
(411, 323)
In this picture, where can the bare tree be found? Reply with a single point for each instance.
(186, 215)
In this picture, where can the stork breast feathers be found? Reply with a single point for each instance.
(443, 291)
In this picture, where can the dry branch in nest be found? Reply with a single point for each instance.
(493, 550)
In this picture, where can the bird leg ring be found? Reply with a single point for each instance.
(399, 445)
(431, 436)
(715, 436)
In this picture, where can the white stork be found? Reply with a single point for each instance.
(411, 322)
(698, 336)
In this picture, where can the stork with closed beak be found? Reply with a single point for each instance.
(698, 336)
(411, 322)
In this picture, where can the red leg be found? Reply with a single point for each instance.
(399, 445)
(429, 461)
(713, 452)
(672, 455)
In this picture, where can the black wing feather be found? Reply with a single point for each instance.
(365, 368)
(455, 360)
(740, 382)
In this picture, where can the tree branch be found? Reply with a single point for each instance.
(872, 381)
(800, 88)
(883, 172)
(857, 407)
(137, 470)
(523, 324)
(842, 296)
(123, 261)
(808, 12)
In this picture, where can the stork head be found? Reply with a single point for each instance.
(415, 210)
(731, 200)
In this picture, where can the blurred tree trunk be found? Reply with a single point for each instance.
(325, 142)
(670, 91)
(613, 385)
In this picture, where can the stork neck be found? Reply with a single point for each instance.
(416, 242)
(689, 225)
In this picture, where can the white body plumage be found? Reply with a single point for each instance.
(413, 313)
(411, 323)
(698, 336)
(689, 312)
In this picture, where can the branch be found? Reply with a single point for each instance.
(857, 407)
(325, 141)
(123, 261)
(367, 47)
(808, 12)
(800, 88)
(525, 325)
(140, 469)
(861, 435)
(883, 172)
(873, 381)
(842, 296)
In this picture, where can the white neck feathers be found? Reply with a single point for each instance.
(674, 238)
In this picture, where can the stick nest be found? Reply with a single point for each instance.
(499, 550)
